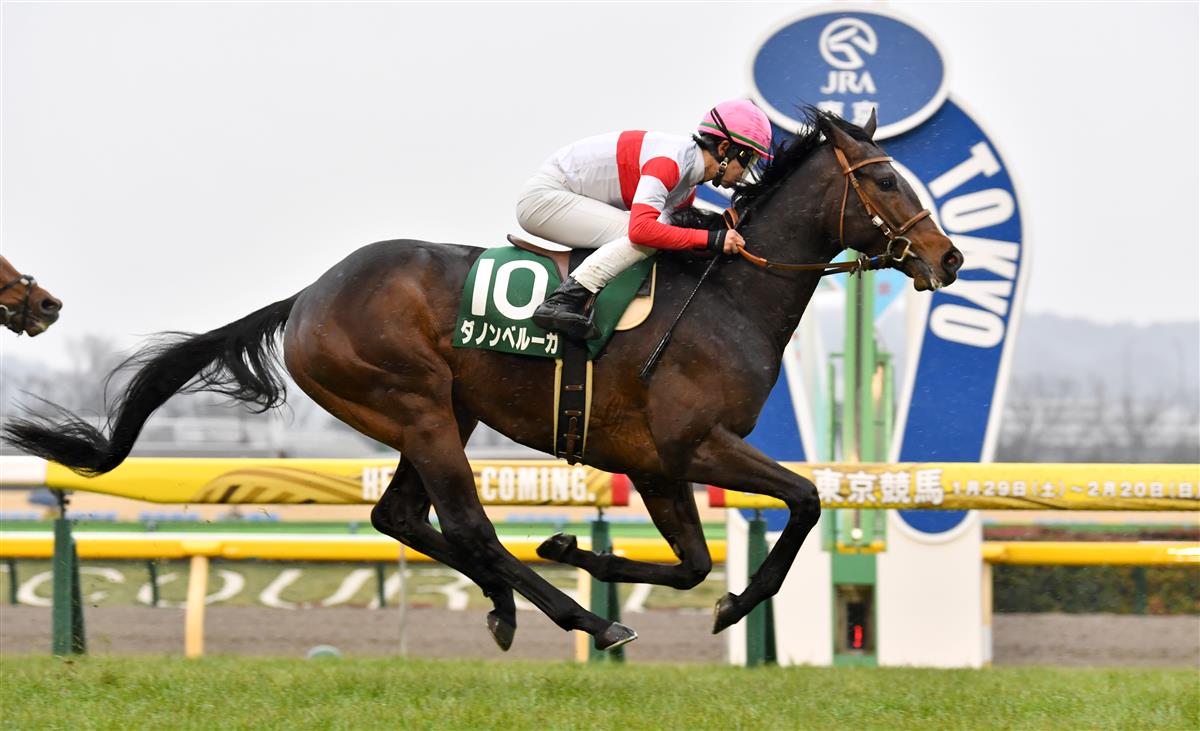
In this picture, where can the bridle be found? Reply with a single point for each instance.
(894, 234)
(8, 318)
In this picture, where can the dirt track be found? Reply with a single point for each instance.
(678, 636)
(665, 635)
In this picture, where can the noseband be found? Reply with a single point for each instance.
(894, 234)
(8, 318)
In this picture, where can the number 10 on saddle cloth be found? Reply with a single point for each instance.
(504, 287)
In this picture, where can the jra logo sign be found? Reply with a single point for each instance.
(842, 40)
(850, 63)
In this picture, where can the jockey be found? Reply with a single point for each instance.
(616, 193)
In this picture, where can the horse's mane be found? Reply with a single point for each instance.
(793, 154)
(786, 160)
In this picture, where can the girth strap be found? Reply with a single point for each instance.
(572, 401)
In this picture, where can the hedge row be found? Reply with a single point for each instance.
(1091, 589)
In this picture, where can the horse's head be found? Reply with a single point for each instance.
(878, 212)
(24, 306)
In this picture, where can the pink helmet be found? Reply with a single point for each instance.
(740, 122)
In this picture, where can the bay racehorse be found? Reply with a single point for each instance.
(25, 307)
(370, 341)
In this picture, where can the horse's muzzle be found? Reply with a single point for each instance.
(48, 308)
(927, 276)
(952, 261)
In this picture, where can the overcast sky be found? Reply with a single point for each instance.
(176, 166)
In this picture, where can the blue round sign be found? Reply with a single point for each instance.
(850, 63)
(932, 521)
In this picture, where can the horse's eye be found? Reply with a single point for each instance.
(887, 183)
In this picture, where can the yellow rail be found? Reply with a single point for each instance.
(1062, 553)
(234, 546)
(124, 546)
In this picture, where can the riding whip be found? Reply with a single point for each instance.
(652, 361)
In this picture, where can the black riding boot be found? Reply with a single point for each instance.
(568, 310)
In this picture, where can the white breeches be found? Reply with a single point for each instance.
(546, 208)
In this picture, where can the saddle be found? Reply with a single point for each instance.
(560, 257)
(566, 260)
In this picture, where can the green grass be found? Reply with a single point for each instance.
(332, 693)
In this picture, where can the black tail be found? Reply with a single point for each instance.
(239, 360)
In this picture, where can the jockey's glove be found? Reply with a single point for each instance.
(716, 240)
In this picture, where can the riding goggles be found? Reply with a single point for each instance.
(747, 157)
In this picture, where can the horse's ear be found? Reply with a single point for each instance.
(869, 127)
(836, 135)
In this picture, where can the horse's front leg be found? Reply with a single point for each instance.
(725, 460)
(672, 507)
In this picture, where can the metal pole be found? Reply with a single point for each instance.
(67, 613)
(830, 415)
(769, 656)
(757, 629)
(78, 638)
(889, 405)
(864, 439)
(152, 570)
(1140, 590)
(604, 600)
(381, 584)
(857, 363)
(403, 570)
(13, 581)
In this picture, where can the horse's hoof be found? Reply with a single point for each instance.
(502, 630)
(725, 613)
(614, 636)
(556, 547)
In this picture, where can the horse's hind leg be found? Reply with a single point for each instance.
(407, 405)
(431, 441)
(672, 507)
(403, 510)
(403, 513)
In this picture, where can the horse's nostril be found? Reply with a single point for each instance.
(952, 261)
(51, 305)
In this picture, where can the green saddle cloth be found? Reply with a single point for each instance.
(504, 287)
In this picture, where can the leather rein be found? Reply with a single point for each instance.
(8, 318)
(894, 234)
